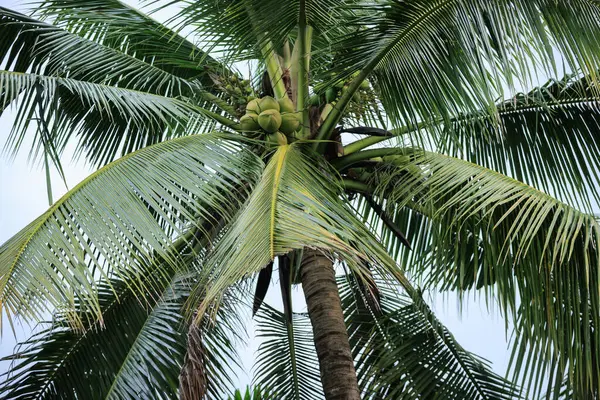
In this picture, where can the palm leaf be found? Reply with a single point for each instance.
(277, 357)
(539, 138)
(115, 102)
(138, 354)
(437, 59)
(237, 29)
(295, 205)
(98, 114)
(406, 353)
(118, 218)
(538, 255)
(138, 349)
(121, 27)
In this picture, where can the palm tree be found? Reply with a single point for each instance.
(408, 157)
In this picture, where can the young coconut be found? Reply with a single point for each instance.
(330, 94)
(249, 122)
(253, 107)
(276, 139)
(289, 123)
(269, 103)
(286, 105)
(270, 120)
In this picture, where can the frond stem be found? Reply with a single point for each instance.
(346, 161)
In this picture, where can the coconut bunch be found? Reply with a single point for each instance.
(237, 91)
(274, 120)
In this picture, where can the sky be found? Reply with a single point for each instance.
(23, 197)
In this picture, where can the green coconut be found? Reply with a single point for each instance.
(253, 107)
(364, 84)
(290, 123)
(277, 139)
(314, 100)
(269, 103)
(270, 120)
(249, 122)
(330, 94)
(286, 105)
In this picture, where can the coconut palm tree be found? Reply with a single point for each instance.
(408, 145)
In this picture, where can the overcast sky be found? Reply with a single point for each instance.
(23, 198)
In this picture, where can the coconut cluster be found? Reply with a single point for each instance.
(237, 91)
(276, 118)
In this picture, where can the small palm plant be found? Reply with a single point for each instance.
(384, 137)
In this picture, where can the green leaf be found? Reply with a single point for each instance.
(437, 59)
(407, 353)
(100, 115)
(117, 219)
(277, 356)
(137, 353)
(540, 138)
(295, 205)
(114, 102)
(127, 30)
(536, 256)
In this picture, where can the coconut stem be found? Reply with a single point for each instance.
(304, 47)
(271, 58)
(274, 69)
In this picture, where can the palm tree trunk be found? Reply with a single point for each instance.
(331, 338)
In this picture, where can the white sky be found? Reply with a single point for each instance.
(23, 198)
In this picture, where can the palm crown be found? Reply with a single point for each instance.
(207, 181)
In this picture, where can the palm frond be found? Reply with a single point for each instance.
(137, 350)
(277, 356)
(129, 31)
(114, 102)
(118, 218)
(537, 256)
(109, 121)
(34, 46)
(548, 138)
(436, 59)
(295, 205)
(137, 355)
(211, 360)
(235, 28)
(406, 353)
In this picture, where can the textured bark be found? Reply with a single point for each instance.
(331, 338)
(192, 378)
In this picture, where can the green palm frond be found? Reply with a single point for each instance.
(38, 47)
(108, 120)
(234, 28)
(277, 356)
(432, 59)
(250, 394)
(118, 218)
(548, 138)
(538, 256)
(295, 205)
(115, 103)
(127, 30)
(406, 353)
(137, 354)
(137, 350)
